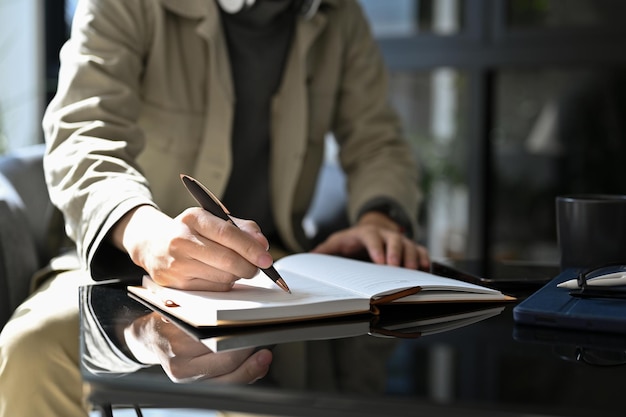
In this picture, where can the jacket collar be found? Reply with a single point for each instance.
(207, 14)
(200, 9)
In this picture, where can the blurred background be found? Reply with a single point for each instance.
(508, 103)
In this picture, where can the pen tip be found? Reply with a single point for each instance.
(282, 284)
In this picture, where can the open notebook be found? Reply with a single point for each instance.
(402, 322)
(322, 286)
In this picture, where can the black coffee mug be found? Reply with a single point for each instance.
(591, 229)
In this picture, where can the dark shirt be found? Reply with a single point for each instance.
(258, 42)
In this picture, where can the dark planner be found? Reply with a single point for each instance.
(554, 307)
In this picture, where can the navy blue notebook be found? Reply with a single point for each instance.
(555, 307)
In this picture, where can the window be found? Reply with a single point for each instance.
(486, 90)
(21, 80)
(496, 101)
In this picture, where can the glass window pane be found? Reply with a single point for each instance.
(429, 104)
(556, 132)
(70, 7)
(412, 17)
(20, 83)
(570, 13)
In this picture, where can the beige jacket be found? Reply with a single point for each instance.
(145, 94)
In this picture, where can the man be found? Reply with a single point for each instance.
(239, 95)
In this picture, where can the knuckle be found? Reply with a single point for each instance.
(229, 363)
(222, 230)
(188, 215)
(176, 244)
(228, 263)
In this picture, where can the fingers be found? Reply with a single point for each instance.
(253, 230)
(238, 366)
(383, 246)
(204, 252)
(390, 248)
(423, 258)
(226, 243)
(405, 252)
(252, 369)
(398, 250)
(341, 243)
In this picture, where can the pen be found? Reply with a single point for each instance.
(210, 203)
(608, 280)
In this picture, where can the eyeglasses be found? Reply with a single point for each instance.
(586, 290)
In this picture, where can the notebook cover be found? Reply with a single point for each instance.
(554, 307)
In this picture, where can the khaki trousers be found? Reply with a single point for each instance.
(39, 353)
(39, 370)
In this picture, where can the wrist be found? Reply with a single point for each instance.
(131, 229)
(392, 211)
(380, 219)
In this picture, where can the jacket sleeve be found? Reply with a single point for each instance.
(380, 164)
(90, 126)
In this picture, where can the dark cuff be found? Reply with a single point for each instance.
(392, 209)
(111, 263)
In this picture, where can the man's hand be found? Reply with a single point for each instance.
(380, 238)
(153, 340)
(194, 251)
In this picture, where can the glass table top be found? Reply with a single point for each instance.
(448, 360)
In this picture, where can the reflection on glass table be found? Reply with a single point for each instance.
(341, 368)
